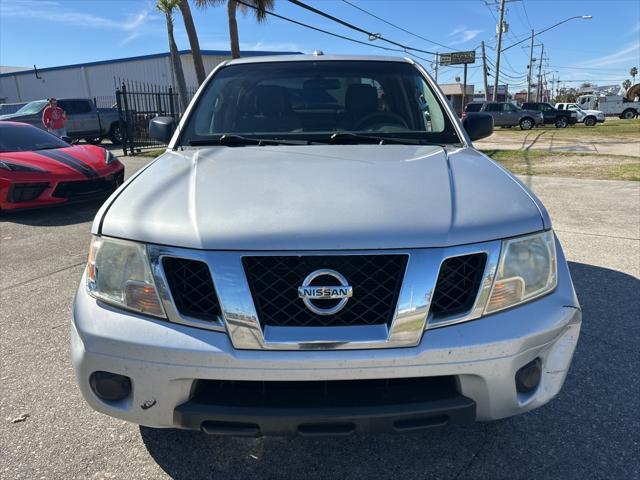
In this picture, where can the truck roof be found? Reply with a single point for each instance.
(318, 58)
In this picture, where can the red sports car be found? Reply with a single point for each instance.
(39, 169)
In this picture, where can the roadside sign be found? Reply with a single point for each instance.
(457, 58)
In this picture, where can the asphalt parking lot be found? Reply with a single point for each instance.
(590, 431)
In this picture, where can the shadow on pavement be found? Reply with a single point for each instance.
(55, 216)
(587, 432)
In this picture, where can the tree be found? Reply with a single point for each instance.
(260, 10)
(633, 72)
(626, 84)
(167, 7)
(190, 27)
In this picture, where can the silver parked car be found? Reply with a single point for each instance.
(84, 119)
(322, 251)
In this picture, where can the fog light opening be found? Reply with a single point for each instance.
(110, 387)
(528, 377)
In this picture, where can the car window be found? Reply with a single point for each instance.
(561, 107)
(75, 107)
(493, 107)
(544, 107)
(507, 107)
(572, 107)
(473, 107)
(32, 107)
(307, 100)
(21, 137)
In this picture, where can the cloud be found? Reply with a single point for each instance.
(630, 53)
(55, 12)
(464, 35)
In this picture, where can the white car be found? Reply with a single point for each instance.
(588, 117)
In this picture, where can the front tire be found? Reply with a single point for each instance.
(562, 122)
(526, 124)
(590, 121)
(115, 134)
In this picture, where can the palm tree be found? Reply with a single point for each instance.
(634, 72)
(190, 27)
(167, 7)
(261, 7)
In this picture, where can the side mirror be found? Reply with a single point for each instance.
(162, 128)
(478, 125)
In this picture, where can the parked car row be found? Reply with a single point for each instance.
(533, 114)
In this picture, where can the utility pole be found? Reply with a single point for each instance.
(437, 62)
(530, 67)
(484, 71)
(497, 74)
(464, 90)
(538, 90)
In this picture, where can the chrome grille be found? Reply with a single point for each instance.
(192, 288)
(274, 282)
(457, 285)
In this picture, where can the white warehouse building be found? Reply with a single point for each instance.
(99, 79)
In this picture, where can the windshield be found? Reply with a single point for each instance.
(32, 107)
(23, 138)
(314, 100)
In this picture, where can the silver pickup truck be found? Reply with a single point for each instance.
(321, 251)
(85, 120)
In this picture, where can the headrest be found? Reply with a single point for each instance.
(361, 99)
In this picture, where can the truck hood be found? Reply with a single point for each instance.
(325, 197)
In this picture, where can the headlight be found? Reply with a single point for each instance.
(527, 269)
(118, 273)
(109, 157)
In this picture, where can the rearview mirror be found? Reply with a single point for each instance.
(162, 128)
(321, 84)
(478, 125)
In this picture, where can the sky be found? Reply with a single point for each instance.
(601, 50)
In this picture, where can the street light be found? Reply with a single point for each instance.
(582, 17)
(532, 37)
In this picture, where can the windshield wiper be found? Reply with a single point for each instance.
(231, 140)
(349, 137)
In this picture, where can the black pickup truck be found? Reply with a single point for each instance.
(552, 116)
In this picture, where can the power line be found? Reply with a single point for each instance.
(524, 7)
(372, 36)
(396, 26)
(343, 37)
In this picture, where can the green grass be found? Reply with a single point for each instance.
(151, 153)
(612, 127)
(568, 164)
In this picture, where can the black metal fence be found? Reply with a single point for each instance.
(137, 104)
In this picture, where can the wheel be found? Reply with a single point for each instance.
(629, 114)
(115, 135)
(562, 122)
(590, 121)
(526, 124)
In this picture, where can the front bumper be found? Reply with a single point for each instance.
(164, 360)
(50, 190)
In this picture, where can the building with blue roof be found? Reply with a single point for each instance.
(99, 79)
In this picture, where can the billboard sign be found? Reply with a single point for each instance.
(457, 58)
